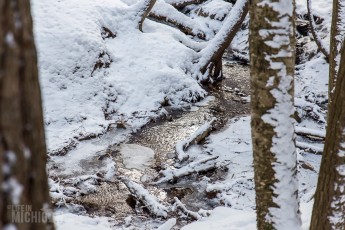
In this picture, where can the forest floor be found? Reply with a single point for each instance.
(120, 108)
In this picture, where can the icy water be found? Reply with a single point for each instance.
(227, 99)
(156, 144)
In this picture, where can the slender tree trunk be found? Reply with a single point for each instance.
(329, 204)
(272, 54)
(337, 35)
(143, 9)
(210, 56)
(316, 37)
(22, 142)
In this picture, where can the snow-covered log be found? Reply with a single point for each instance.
(203, 165)
(145, 197)
(309, 148)
(310, 132)
(166, 13)
(324, 49)
(179, 205)
(196, 137)
(214, 51)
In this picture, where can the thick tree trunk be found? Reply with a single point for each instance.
(329, 204)
(337, 36)
(272, 57)
(22, 142)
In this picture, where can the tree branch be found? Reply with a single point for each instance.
(316, 37)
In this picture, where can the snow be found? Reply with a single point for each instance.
(136, 156)
(141, 70)
(168, 224)
(78, 222)
(79, 100)
(233, 145)
(223, 218)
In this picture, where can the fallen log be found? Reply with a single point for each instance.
(150, 201)
(165, 13)
(203, 165)
(310, 133)
(199, 135)
(309, 148)
(179, 205)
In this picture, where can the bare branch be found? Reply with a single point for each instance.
(316, 37)
(144, 8)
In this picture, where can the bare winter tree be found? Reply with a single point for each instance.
(272, 57)
(22, 143)
(329, 204)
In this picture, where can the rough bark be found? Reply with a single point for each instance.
(329, 204)
(337, 35)
(272, 56)
(210, 56)
(316, 37)
(22, 141)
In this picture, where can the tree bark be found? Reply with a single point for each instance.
(272, 57)
(22, 141)
(337, 35)
(329, 204)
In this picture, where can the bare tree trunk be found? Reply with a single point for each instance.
(329, 204)
(317, 39)
(272, 57)
(210, 57)
(22, 141)
(337, 36)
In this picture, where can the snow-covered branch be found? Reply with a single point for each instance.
(214, 51)
(166, 13)
(180, 4)
(143, 9)
(324, 49)
(203, 165)
(196, 137)
(145, 197)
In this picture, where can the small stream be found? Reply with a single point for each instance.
(227, 99)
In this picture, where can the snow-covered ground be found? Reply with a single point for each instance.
(91, 81)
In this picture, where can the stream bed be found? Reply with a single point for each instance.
(141, 156)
